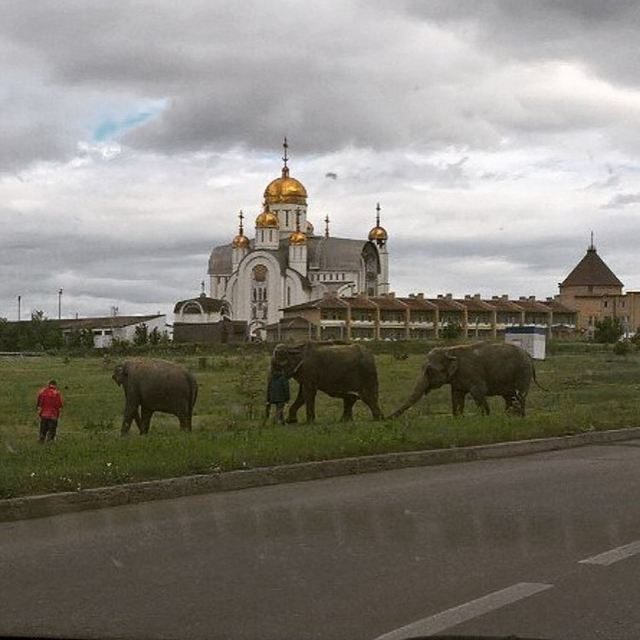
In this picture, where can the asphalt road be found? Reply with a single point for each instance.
(492, 547)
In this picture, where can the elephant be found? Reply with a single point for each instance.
(482, 369)
(340, 369)
(155, 385)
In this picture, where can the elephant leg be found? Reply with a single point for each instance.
(508, 403)
(457, 401)
(293, 409)
(419, 390)
(522, 401)
(371, 400)
(130, 414)
(349, 399)
(515, 403)
(310, 403)
(479, 396)
(145, 420)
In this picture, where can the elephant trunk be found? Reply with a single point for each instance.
(421, 389)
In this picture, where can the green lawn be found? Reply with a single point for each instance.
(587, 391)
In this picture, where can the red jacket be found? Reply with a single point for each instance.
(49, 403)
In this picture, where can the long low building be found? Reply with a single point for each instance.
(388, 317)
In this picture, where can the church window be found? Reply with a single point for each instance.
(286, 218)
(606, 304)
(288, 296)
(259, 295)
(270, 235)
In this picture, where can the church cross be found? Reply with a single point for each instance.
(285, 158)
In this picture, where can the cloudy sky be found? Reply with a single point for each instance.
(495, 135)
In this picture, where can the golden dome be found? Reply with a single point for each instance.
(378, 234)
(285, 189)
(267, 220)
(240, 242)
(297, 237)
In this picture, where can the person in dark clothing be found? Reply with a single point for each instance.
(49, 404)
(277, 394)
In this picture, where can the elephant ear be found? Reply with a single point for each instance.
(120, 374)
(452, 366)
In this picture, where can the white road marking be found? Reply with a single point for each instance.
(619, 553)
(464, 612)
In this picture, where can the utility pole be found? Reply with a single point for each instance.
(59, 304)
(19, 301)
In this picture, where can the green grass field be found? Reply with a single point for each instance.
(587, 391)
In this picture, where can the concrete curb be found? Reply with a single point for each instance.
(99, 498)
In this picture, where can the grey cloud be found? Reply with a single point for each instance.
(604, 35)
(384, 82)
(611, 181)
(97, 272)
(621, 200)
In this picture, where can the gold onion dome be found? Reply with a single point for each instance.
(267, 220)
(285, 188)
(378, 234)
(240, 241)
(297, 237)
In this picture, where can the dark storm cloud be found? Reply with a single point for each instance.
(602, 35)
(328, 74)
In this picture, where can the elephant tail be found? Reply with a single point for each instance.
(194, 396)
(533, 369)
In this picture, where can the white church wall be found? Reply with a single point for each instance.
(242, 296)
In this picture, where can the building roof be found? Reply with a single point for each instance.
(531, 304)
(335, 254)
(446, 303)
(292, 322)
(360, 302)
(557, 307)
(389, 303)
(475, 304)
(502, 303)
(418, 303)
(209, 305)
(323, 254)
(591, 271)
(107, 322)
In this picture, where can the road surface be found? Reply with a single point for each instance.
(544, 546)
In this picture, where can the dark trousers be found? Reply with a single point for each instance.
(279, 417)
(48, 428)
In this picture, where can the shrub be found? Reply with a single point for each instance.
(451, 331)
(608, 330)
(622, 348)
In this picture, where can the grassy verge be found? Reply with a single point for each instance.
(588, 392)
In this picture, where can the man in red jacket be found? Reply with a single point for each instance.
(49, 404)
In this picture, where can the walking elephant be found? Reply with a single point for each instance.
(155, 385)
(340, 370)
(482, 370)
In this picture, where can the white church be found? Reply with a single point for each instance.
(286, 263)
